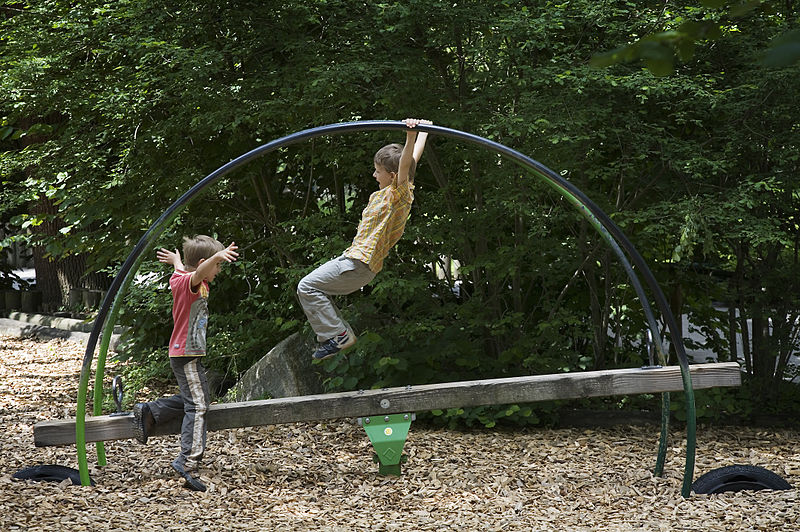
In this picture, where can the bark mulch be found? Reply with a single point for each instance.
(321, 476)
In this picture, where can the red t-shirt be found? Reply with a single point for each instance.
(190, 314)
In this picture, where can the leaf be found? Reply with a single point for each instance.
(612, 57)
(745, 7)
(783, 51)
(40, 129)
(658, 58)
(660, 67)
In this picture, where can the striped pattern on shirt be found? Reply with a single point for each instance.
(383, 221)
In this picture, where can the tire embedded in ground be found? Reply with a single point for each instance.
(738, 478)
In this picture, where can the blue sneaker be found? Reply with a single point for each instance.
(330, 347)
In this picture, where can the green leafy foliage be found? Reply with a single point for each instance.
(677, 30)
(750, 403)
(113, 111)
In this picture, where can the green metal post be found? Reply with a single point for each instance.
(388, 435)
(107, 331)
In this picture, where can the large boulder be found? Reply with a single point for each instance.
(286, 371)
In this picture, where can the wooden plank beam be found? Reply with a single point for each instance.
(411, 399)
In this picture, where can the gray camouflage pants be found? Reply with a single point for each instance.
(191, 404)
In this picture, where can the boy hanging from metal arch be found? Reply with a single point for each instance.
(382, 224)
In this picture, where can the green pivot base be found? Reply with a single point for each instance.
(388, 435)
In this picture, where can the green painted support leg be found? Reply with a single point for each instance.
(388, 435)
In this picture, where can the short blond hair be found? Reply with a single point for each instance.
(388, 158)
(199, 247)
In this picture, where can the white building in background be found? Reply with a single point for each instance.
(15, 255)
(18, 257)
(707, 355)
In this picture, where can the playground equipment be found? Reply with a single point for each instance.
(401, 400)
(738, 478)
(392, 407)
(577, 385)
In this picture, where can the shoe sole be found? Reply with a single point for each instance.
(139, 431)
(349, 343)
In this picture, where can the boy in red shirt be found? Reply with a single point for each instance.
(189, 285)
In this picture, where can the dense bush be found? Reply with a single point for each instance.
(112, 111)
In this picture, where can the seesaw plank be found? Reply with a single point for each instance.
(421, 398)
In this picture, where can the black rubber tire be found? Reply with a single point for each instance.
(52, 473)
(738, 478)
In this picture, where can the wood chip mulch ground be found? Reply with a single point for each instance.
(321, 476)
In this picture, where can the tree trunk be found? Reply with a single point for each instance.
(676, 306)
(733, 353)
(739, 287)
(55, 277)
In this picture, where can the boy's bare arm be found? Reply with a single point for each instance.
(412, 151)
(419, 144)
(206, 267)
(170, 257)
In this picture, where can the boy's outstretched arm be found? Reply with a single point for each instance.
(170, 257)
(419, 144)
(207, 268)
(412, 151)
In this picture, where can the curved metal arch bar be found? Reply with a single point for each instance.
(599, 219)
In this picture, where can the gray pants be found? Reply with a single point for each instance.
(191, 404)
(336, 277)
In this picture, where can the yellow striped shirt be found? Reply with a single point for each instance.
(383, 221)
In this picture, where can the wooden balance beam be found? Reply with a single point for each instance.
(425, 397)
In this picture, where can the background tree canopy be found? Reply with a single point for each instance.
(110, 111)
